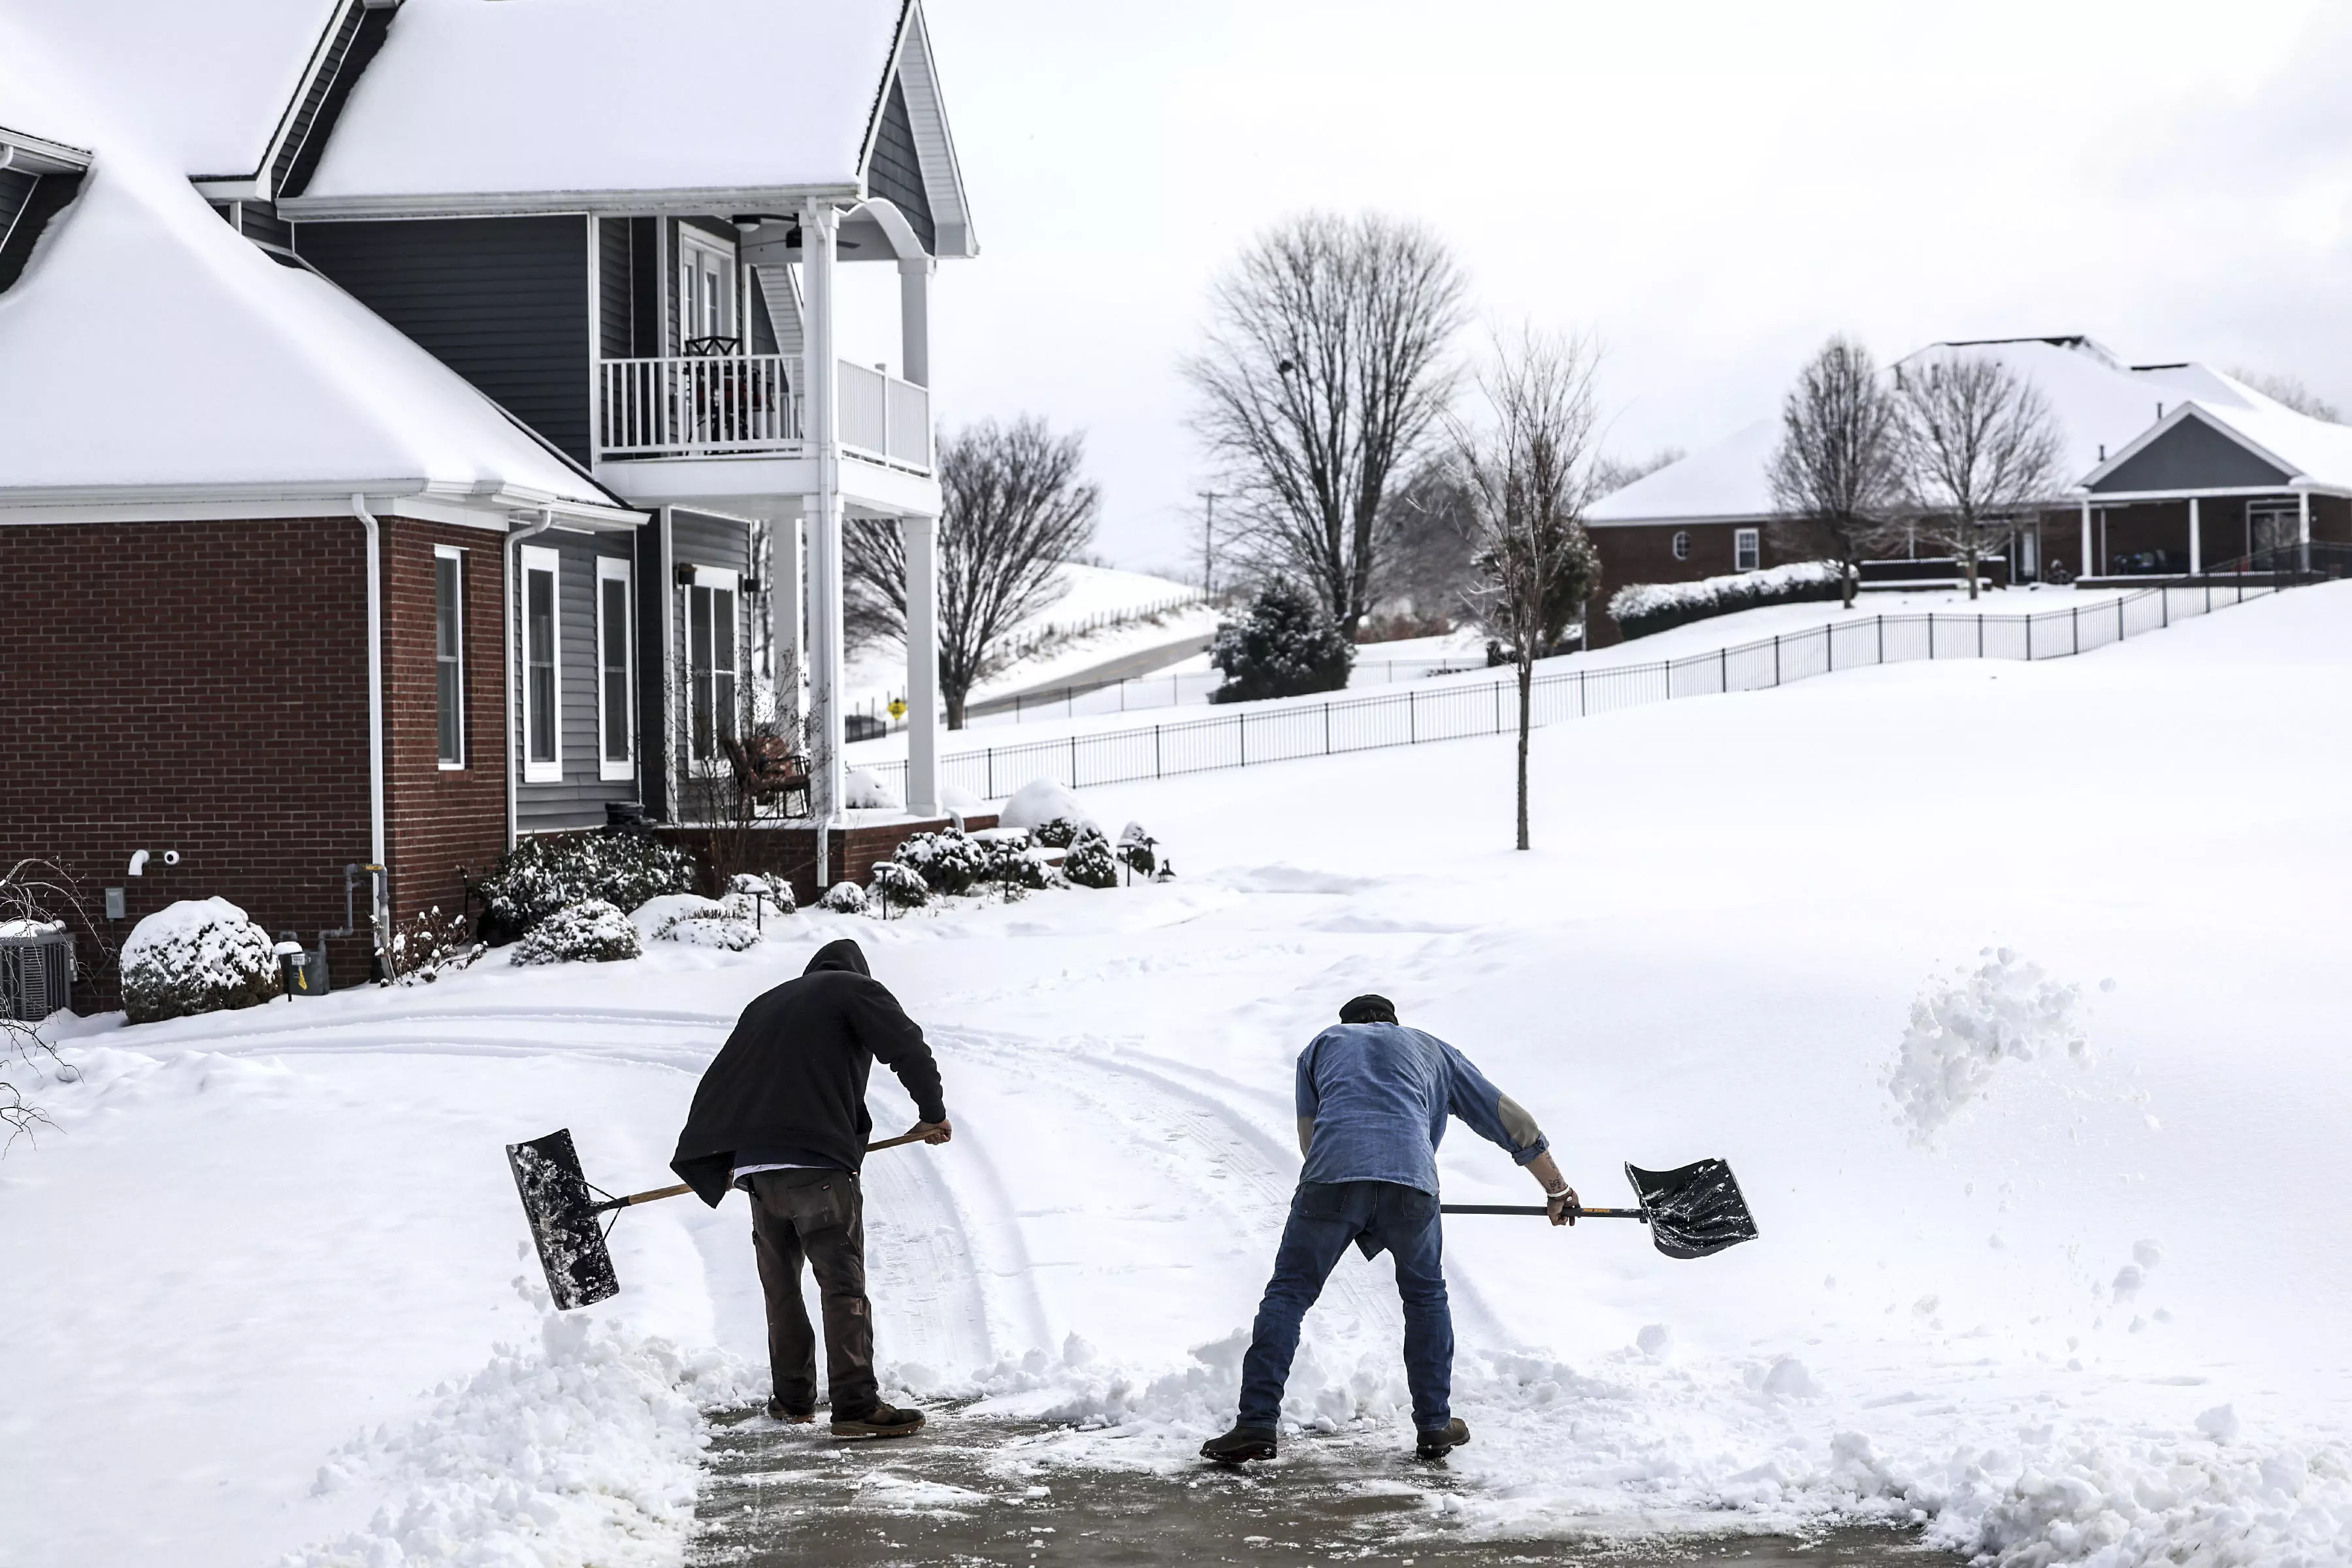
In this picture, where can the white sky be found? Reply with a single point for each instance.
(1711, 189)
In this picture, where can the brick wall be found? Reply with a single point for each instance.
(202, 687)
(1645, 552)
(791, 852)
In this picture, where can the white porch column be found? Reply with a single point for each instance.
(914, 318)
(821, 512)
(922, 664)
(788, 650)
(2196, 539)
(2085, 569)
(2302, 532)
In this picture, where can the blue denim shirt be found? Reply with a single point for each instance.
(1373, 1103)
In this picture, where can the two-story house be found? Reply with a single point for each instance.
(416, 432)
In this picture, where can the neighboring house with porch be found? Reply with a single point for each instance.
(394, 461)
(2170, 471)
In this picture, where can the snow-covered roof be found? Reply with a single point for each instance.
(149, 352)
(2102, 406)
(203, 84)
(472, 106)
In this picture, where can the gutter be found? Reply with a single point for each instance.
(376, 827)
(510, 706)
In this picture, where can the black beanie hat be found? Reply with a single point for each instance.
(1369, 1008)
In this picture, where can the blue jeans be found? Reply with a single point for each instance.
(1325, 1217)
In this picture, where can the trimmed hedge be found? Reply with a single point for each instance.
(1642, 609)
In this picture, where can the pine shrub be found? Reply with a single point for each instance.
(589, 931)
(1284, 645)
(845, 899)
(549, 872)
(897, 884)
(949, 861)
(1090, 863)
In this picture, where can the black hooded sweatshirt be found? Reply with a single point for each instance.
(793, 1075)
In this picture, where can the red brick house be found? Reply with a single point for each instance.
(379, 482)
(2173, 470)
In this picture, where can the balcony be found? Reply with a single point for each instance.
(730, 405)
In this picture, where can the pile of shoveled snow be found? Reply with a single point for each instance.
(585, 1447)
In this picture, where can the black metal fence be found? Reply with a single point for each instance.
(1287, 730)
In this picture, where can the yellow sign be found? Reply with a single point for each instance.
(898, 708)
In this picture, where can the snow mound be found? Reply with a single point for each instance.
(862, 790)
(585, 1447)
(1963, 1028)
(1042, 801)
(697, 922)
(197, 955)
(590, 931)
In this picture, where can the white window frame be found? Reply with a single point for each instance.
(535, 559)
(732, 582)
(615, 569)
(689, 242)
(449, 553)
(1750, 543)
(1680, 544)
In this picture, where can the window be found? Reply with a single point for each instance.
(710, 656)
(450, 653)
(1744, 550)
(1682, 545)
(542, 685)
(706, 288)
(615, 728)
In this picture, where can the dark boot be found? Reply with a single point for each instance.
(1240, 1445)
(1435, 1446)
(779, 1411)
(882, 1421)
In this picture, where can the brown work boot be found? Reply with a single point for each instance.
(1436, 1445)
(882, 1421)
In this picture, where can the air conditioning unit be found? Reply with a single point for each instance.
(36, 965)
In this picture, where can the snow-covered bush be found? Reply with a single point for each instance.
(778, 890)
(1285, 644)
(1090, 863)
(1137, 850)
(541, 875)
(698, 922)
(845, 899)
(894, 883)
(948, 861)
(590, 932)
(197, 955)
(1012, 864)
(1643, 608)
(861, 791)
(431, 944)
(1040, 802)
(1060, 833)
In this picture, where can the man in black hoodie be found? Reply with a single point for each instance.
(781, 1113)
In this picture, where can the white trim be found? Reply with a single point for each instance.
(725, 578)
(537, 558)
(731, 581)
(416, 498)
(1679, 546)
(612, 568)
(2298, 486)
(2165, 426)
(1750, 539)
(699, 201)
(449, 553)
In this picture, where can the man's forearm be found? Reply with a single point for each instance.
(1546, 1172)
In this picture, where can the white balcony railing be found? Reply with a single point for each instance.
(695, 406)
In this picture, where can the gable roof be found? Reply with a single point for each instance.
(2106, 411)
(591, 105)
(151, 355)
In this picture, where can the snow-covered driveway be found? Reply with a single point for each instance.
(2099, 1311)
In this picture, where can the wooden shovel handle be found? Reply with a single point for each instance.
(1539, 1209)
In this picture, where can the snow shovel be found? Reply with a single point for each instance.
(562, 1207)
(1691, 1212)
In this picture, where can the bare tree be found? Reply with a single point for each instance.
(1015, 506)
(2290, 390)
(1837, 474)
(1426, 554)
(1324, 374)
(1979, 446)
(1613, 474)
(1527, 476)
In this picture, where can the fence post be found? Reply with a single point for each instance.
(1776, 658)
(1412, 717)
(1155, 751)
(1327, 728)
(1580, 694)
(1074, 762)
(2164, 602)
(1882, 639)
(2076, 614)
(1980, 634)
(991, 772)
(1241, 726)
(1723, 670)
(2119, 620)
(2029, 637)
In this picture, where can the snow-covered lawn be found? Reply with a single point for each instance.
(2086, 1304)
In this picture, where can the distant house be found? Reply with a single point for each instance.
(421, 422)
(2172, 469)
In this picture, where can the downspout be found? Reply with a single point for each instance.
(376, 834)
(512, 718)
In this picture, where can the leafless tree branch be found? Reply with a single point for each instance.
(1837, 474)
(1979, 446)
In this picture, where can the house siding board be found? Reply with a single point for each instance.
(653, 674)
(763, 330)
(616, 287)
(48, 197)
(207, 693)
(16, 189)
(2192, 455)
(895, 170)
(646, 301)
(578, 800)
(503, 302)
(306, 137)
(697, 539)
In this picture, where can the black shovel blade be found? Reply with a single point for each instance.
(556, 1200)
(1695, 1210)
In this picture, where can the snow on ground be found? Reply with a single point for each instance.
(2074, 1305)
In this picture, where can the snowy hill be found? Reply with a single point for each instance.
(2044, 1260)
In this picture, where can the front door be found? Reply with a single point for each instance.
(706, 294)
(2272, 528)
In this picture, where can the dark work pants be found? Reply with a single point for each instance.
(1325, 1217)
(819, 1215)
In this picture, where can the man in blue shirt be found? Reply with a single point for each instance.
(1373, 1097)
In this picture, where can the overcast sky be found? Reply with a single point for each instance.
(1711, 190)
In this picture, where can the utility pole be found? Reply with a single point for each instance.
(1209, 542)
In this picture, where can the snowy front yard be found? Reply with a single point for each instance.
(2084, 1305)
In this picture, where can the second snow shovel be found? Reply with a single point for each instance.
(564, 1211)
(1691, 1212)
